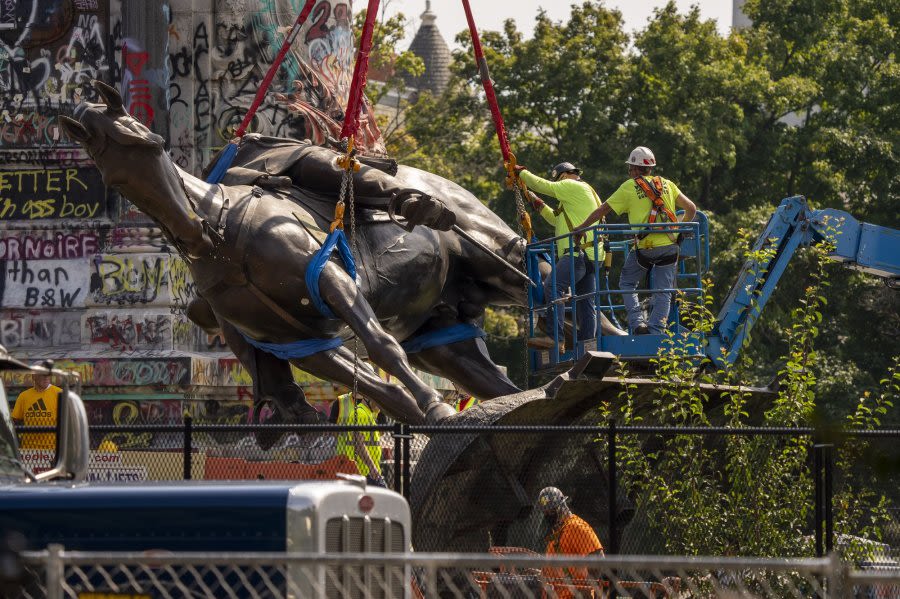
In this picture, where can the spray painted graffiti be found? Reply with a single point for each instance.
(60, 158)
(141, 372)
(129, 332)
(139, 96)
(212, 411)
(329, 43)
(27, 128)
(189, 337)
(34, 194)
(182, 286)
(26, 330)
(48, 245)
(135, 238)
(224, 372)
(217, 65)
(44, 284)
(126, 280)
(49, 50)
(130, 413)
(144, 279)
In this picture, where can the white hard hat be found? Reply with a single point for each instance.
(642, 156)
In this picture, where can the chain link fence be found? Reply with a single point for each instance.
(56, 573)
(473, 488)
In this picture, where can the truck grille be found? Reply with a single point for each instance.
(364, 535)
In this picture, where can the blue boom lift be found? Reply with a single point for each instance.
(861, 246)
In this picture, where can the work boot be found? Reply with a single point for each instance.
(641, 329)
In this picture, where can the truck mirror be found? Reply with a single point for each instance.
(72, 440)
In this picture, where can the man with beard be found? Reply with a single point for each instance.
(569, 535)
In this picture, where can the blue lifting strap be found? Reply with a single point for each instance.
(458, 332)
(295, 349)
(335, 239)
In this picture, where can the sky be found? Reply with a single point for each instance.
(490, 14)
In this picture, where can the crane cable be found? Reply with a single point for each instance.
(509, 159)
(226, 157)
(348, 161)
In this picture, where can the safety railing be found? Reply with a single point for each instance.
(57, 574)
(548, 300)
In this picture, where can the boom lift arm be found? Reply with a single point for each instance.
(869, 248)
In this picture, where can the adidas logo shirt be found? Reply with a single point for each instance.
(37, 408)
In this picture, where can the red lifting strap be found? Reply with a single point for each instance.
(264, 86)
(360, 73)
(487, 84)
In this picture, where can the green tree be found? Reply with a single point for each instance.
(801, 102)
(840, 142)
(746, 495)
(695, 98)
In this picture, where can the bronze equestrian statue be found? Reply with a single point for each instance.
(248, 244)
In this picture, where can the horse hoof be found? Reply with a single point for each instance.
(266, 439)
(437, 412)
(312, 416)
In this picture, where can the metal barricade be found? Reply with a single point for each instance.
(56, 573)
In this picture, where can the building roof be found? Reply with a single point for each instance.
(429, 45)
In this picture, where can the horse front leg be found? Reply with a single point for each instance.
(347, 302)
(272, 381)
(469, 366)
(337, 365)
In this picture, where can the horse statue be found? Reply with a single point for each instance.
(248, 245)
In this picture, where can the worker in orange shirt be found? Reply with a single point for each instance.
(569, 535)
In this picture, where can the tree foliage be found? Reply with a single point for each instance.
(802, 102)
(750, 494)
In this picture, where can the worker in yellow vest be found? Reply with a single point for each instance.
(647, 199)
(363, 447)
(575, 262)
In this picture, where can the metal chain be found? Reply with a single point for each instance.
(346, 195)
(520, 204)
(345, 180)
(520, 209)
(354, 249)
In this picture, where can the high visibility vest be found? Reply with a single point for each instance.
(352, 413)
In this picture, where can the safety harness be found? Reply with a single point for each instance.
(654, 193)
(658, 209)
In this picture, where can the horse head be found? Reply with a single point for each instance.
(132, 159)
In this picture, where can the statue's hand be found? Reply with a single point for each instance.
(425, 210)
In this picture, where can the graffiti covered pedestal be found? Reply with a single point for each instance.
(160, 388)
(85, 278)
